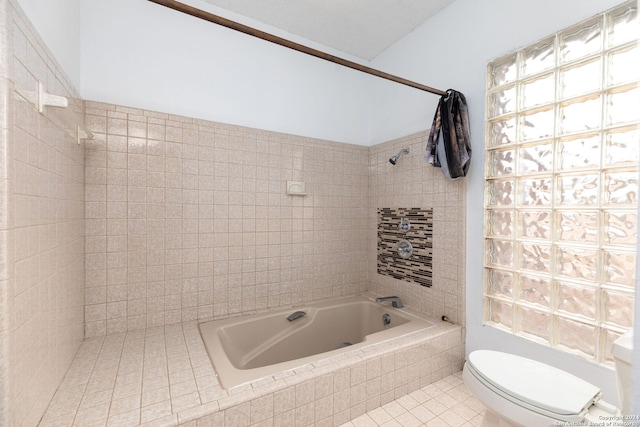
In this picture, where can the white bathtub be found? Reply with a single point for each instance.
(247, 348)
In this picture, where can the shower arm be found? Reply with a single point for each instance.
(199, 13)
(393, 160)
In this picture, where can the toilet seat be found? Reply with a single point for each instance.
(534, 385)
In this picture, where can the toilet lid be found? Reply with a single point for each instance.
(535, 383)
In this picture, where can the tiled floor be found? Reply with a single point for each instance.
(445, 403)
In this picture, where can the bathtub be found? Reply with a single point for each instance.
(245, 349)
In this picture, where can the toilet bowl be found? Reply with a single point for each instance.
(521, 392)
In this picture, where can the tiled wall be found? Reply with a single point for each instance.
(41, 227)
(188, 219)
(413, 183)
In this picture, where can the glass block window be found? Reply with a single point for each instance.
(561, 186)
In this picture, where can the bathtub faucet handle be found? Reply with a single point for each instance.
(395, 301)
(296, 315)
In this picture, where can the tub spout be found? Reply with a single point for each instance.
(395, 301)
(296, 315)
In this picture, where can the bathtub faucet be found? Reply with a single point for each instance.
(395, 301)
(296, 315)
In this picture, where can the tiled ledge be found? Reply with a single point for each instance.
(162, 376)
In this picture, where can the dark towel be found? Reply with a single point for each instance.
(452, 150)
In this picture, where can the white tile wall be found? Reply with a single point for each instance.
(413, 183)
(41, 227)
(188, 219)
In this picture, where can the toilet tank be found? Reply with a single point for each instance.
(621, 351)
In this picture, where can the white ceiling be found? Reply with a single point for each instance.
(363, 28)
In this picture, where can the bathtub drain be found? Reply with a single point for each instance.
(344, 344)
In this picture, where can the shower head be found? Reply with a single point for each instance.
(393, 160)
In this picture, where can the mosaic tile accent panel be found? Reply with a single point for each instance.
(418, 267)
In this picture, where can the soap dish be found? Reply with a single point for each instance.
(296, 188)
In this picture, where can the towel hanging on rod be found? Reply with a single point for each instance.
(449, 144)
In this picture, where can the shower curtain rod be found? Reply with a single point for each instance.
(198, 13)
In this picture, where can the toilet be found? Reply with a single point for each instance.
(521, 392)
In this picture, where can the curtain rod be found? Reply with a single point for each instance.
(198, 13)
